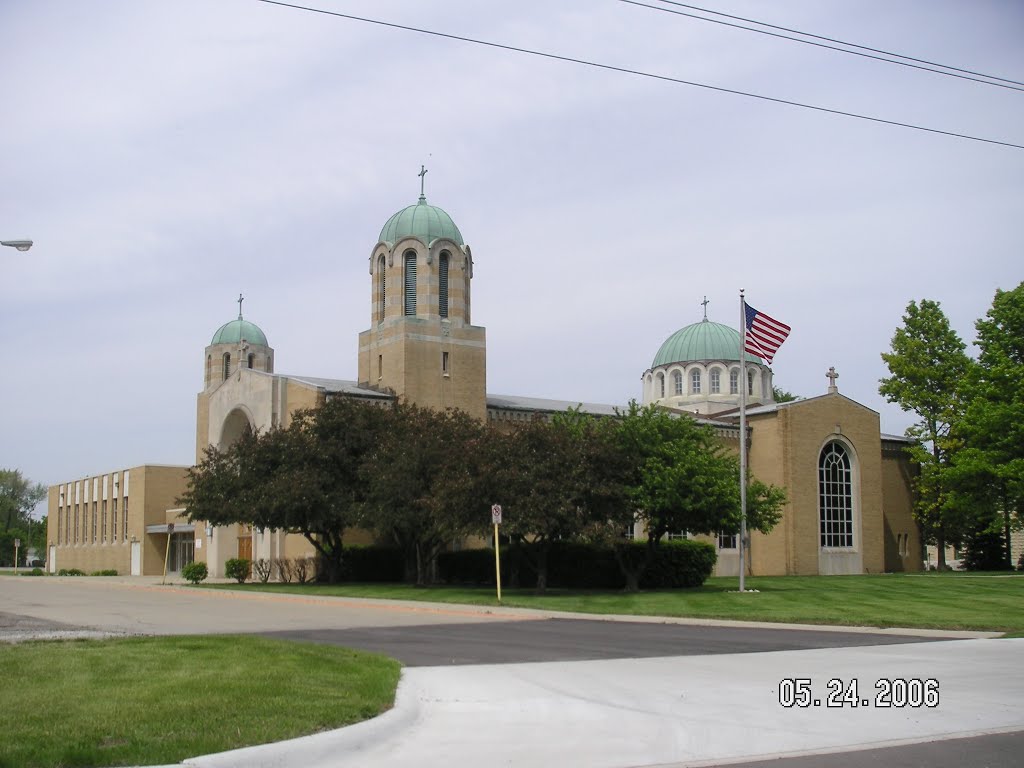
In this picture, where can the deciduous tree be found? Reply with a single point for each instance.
(927, 364)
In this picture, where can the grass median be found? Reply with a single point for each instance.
(159, 700)
(961, 601)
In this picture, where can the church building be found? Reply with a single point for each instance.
(848, 484)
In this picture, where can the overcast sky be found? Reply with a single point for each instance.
(167, 156)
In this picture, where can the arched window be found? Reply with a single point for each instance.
(442, 285)
(677, 382)
(835, 497)
(661, 385)
(227, 365)
(465, 288)
(381, 272)
(695, 382)
(734, 382)
(716, 381)
(251, 360)
(750, 382)
(410, 282)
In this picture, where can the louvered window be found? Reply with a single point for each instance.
(410, 283)
(442, 286)
(227, 365)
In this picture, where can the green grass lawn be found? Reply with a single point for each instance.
(145, 701)
(941, 601)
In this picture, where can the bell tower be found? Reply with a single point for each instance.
(421, 344)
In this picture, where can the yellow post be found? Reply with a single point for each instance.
(167, 552)
(497, 560)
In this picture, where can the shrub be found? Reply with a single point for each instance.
(105, 572)
(261, 569)
(577, 565)
(71, 572)
(195, 572)
(34, 572)
(372, 564)
(285, 570)
(237, 568)
(305, 569)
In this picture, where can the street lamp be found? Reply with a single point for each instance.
(21, 245)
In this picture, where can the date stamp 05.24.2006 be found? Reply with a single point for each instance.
(892, 692)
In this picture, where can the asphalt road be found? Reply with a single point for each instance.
(607, 681)
(560, 639)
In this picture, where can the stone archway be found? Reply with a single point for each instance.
(235, 425)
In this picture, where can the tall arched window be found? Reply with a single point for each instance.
(466, 268)
(835, 497)
(734, 382)
(716, 381)
(442, 285)
(251, 360)
(410, 282)
(677, 382)
(695, 382)
(750, 383)
(227, 364)
(382, 276)
(661, 385)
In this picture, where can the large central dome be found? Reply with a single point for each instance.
(424, 222)
(701, 341)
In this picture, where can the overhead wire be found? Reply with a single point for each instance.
(637, 73)
(1012, 85)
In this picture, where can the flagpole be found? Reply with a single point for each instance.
(743, 442)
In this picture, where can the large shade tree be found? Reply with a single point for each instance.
(927, 364)
(988, 467)
(19, 496)
(424, 484)
(306, 478)
(681, 479)
(553, 478)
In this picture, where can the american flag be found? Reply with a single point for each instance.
(764, 335)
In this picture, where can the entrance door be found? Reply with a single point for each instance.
(245, 547)
(183, 552)
(136, 558)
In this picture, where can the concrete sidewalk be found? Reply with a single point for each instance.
(692, 711)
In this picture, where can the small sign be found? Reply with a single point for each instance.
(17, 542)
(170, 527)
(496, 514)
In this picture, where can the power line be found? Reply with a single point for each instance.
(981, 78)
(636, 72)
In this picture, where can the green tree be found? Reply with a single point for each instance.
(682, 479)
(783, 396)
(19, 496)
(989, 465)
(306, 478)
(552, 479)
(424, 485)
(927, 364)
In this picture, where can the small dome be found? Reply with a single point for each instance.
(422, 221)
(239, 330)
(702, 341)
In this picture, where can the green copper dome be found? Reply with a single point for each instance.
(701, 341)
(239, 330)
(422, 221)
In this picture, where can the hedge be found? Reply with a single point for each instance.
(575, 565)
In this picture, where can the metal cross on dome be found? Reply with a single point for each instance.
(422, 174)
(240, 300)
(705, 305)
